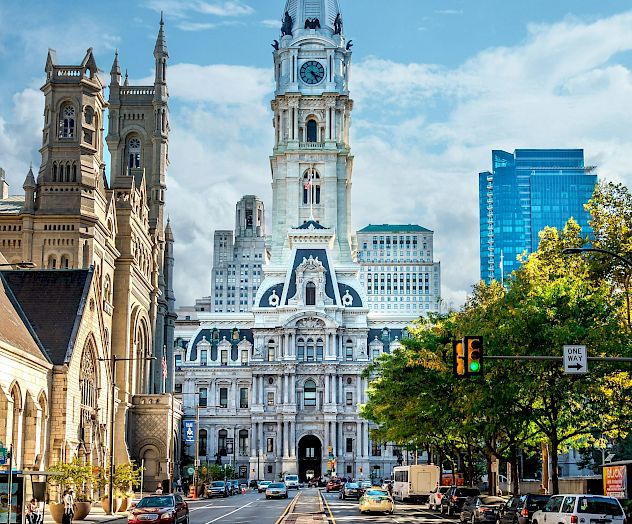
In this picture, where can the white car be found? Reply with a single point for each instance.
(262, 485)
(291, 481)
(276, 490)
(434, 501)
(574, 508)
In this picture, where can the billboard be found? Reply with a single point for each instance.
(189, 432)
(615, 481)
(12, 502)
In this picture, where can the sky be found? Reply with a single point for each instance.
(437, 85)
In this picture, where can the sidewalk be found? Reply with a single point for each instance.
(96, 515)
(307, 508)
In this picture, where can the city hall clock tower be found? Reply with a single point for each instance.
(311, 162)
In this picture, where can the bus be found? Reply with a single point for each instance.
(415, 482)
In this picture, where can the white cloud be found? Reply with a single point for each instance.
(184, 8)
(271, 23)
(449, 12)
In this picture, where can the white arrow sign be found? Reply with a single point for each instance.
(575, 360)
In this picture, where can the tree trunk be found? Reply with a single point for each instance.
(554, 475)
(490, 474)
(513, 464)
(545, 466)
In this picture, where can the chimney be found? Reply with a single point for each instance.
(4, 187)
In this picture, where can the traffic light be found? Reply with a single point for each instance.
(474, 354)
(458, 361)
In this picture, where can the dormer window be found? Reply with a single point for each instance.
(133, 153)
(67, 122)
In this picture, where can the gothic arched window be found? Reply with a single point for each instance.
(309, 393)
(133, 152)
(310, 294)
(88, 389)
(312, 131)
(67, 122)
(54, 171)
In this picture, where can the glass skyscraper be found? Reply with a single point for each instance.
(525, 192)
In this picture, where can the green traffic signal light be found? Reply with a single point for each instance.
(474, 355)
(475, 367)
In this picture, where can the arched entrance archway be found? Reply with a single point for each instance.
(310, 452)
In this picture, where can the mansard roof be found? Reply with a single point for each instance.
(52, 302)
(301, 10)
(394, 228)
(321, 255)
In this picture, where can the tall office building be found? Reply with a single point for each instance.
(398, 272)
(237, 260)
(525, 192)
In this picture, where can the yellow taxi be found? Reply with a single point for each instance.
(375, 499)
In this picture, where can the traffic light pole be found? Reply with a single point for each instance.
(554, 358)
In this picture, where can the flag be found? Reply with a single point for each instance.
(164, 366)
(308, 184)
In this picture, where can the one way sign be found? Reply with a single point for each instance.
(575, 360)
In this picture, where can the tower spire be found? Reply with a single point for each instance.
(160, 49)
(115, 72)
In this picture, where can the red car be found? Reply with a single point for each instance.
(334, 485)
(168, 509)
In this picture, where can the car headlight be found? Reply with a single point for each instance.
(166, 516)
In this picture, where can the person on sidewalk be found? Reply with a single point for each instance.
(69, 507)
(33, 512)
(159, 490)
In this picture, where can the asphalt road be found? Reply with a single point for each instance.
(238, 509)
(346, 512)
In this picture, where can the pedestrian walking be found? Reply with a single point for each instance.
(69, 507)
(179, 486)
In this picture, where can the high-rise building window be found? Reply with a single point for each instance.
(312, 131)
(202, 441)
(349, 445)
(300, 349)
(223, 397)
(349, 398)
(222, 435)
(309, 356)
(349, 350)
(224, 357)
(271, 351)
(310, 294)
(243, 442)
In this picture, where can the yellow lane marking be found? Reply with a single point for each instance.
(291, 505)
(331, 515)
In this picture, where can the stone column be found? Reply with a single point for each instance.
(334, 393)
(334, 439)
(253, 441)
(292, 389)
(327, 390)
(260, 438)
(340, 391)
(358, 447)
(358, 389)
(286, 387)
(286, 439)
(279, 440)
(292, 426)
(261, 399)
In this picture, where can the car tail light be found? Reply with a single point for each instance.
(574, 519)
(525, 512)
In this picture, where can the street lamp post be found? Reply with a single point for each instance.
(113, 360)
(579, 250)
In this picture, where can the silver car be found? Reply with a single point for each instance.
(277, 490)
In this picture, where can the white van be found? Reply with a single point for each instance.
(291, 481)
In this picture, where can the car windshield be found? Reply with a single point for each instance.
(277, 486)
(599, 506)
(351, 485)
(155, 502)
(265, 482)
(538, 501)
(217, 484)
(467, 492)
(366, 484)
(291, 477)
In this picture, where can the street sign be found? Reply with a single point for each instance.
(189, 431)
(3, 455)
(575, 360)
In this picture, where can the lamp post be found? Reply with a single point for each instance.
(113, 360)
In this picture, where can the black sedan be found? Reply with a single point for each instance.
(350, 490)
(483, 508)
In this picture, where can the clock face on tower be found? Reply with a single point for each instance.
(312, 72)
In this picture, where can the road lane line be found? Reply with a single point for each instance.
(235, 511)
(331, 515)
(290, 505)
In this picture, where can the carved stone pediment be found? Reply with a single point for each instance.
(310, 323)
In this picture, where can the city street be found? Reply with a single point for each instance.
(238, 509)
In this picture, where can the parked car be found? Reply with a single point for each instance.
(262, 485)
(574, 508)
(365, 485)
(276, 490)
(333, 485)
(350, 490)
(434, 502)
(484, 508)
(291, 481)
(217, 488)
(168, 509)
(520, 509)
(452, 501)
(235, 487)
(253, 483)
(376, 500)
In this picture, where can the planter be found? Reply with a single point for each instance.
(82, 510)
(123, 505)
(56, 511)
(105, 504)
